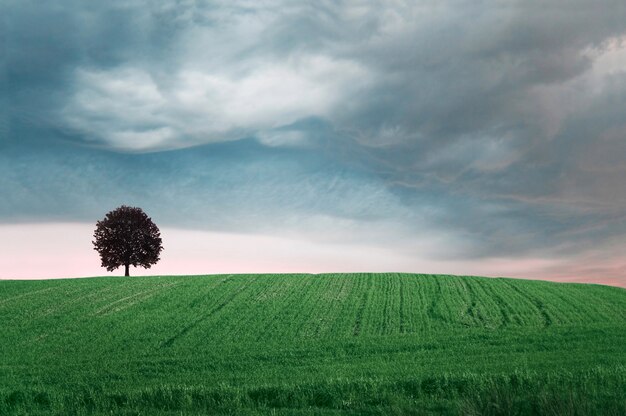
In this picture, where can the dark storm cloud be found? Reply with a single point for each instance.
(500, 124)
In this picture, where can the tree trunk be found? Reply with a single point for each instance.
(127, 274)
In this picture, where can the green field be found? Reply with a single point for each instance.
(311, 344)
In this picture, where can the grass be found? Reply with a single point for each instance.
(311, 344)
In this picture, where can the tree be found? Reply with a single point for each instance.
(127, 236)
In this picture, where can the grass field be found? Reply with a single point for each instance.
(311, 344)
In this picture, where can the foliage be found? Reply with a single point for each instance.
(127, 236)
(304, 344)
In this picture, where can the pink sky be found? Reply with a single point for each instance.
(56, 250)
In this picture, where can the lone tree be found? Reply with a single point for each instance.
(127, 236)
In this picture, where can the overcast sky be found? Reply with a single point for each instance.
(460, 137)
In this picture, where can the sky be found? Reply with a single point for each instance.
(453, 137)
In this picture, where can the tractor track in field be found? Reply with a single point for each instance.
(191, 326)
(118, 305)
(358, 322)
(23, 295)
(538, 304)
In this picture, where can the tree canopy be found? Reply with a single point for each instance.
(127, 237)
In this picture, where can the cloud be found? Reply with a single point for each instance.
(385, 73)
(128, 109)
(496, 128)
